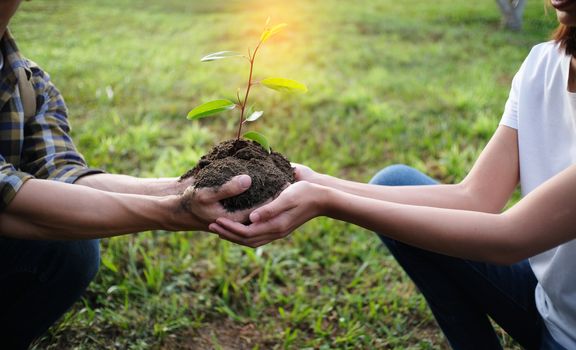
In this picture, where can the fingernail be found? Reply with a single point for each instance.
(254, 217)
(245, 181)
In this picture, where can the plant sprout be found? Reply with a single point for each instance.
(279, 84)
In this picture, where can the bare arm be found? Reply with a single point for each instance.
(134, 185)
(487, 187)
(542, 220)
(44, 209)
(472, 228)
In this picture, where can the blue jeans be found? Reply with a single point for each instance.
(39, 281)
(464, 295)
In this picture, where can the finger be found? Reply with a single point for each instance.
(250, 242)
(235, 186)
(250, 231)
(236, 227)
(229, 236)
(222, 230)
(269, 211)
(248, 234)
(217, 229)
(225, 234)
(263, 240)
(254, 233)
(261, 243)
(299, 171)
(239, 216)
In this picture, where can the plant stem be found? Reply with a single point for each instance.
(243, 105)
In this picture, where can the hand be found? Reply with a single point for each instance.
(296, 205)
(181, 186)
(304, 173)
(203, 203)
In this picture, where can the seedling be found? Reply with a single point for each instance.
(279, 84)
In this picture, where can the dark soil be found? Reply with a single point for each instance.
(270, 172)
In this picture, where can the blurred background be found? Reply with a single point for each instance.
(421, 82)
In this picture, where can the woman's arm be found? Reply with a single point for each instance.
(460, 220)
(487, 187)
(44, 209)
(542, 220)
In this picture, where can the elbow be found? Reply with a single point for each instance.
(479, 199)
(515, 252)
(508, 251)
(506, 259)
(503, 253)
(503, 244)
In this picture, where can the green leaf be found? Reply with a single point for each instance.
(220, 55)
(259, 138)
(268, 32)
(254, 116)
(210, 108)
(284, 85)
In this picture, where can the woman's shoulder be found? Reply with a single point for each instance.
(544, 56)
(546, 49)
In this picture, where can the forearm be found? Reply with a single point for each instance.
(51, 210)
(540, 221)
(461, 233)
(487, 187)
(441, 196)
(134, 185)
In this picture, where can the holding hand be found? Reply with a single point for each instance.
(297, 204)
(203, 204)
(304, 173)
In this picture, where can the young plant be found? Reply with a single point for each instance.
(279, 84)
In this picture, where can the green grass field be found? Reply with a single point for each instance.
(420, 82)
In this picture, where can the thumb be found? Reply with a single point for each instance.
(235, 186)
(266, 212)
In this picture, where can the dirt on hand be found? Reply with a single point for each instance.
(270, 172)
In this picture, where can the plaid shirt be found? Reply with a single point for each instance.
(37, 147)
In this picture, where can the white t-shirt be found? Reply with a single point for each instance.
(544, 113)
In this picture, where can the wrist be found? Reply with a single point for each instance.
(174, 216)
(322, 201)
(330, 201)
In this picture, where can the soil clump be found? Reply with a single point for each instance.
(270, 172)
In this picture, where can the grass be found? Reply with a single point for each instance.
(422, 83)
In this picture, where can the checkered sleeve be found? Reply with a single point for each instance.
(10, 182)
(48, 150)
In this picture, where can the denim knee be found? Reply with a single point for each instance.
(401, 175)
(76, 263)
(88, 262)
